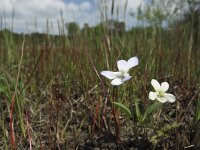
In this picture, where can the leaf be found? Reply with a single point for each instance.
(137, 109)
(1, 89)
(151, 109)
(123, 108)
(197, 116)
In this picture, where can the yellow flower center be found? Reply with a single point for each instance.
(160, 93)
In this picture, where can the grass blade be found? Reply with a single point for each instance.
(151, 109)
(123, 108)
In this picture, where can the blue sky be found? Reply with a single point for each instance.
(32, 15)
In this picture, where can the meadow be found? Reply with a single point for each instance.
(52, 95)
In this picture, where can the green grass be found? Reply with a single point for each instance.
(60, 87)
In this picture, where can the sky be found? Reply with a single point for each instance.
(34, 15)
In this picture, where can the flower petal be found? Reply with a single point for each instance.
(116, 81)
(126, 78)
(164, 86)
(152, 95)
(132, 62)
(121, 64)
(162, 99)
(170, 97)
(110, 74)
(155, 84)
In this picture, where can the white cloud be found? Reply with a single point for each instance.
(85, 6)
(82, 6)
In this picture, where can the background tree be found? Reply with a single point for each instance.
(85, 29)
(162, 12)
(72, 29)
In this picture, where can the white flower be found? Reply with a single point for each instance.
(122, 75)
(160, 92)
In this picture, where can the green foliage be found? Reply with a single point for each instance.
(151, 109)
(2, 89)
(164, 132)
(72, 29)
(155, 13)
(137, 110)
(124, 108)
(197, 115)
